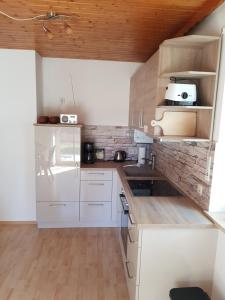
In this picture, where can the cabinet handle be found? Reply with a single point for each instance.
(96, 204)
(131, 219)
(97, 173)
(96, 183)
(55, 205)
(130, 275)
(129, 236)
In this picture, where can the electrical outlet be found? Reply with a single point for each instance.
(200, 189)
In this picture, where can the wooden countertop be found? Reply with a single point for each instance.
(107, 164)
(158, 211)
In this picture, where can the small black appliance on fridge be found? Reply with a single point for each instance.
(88, 153)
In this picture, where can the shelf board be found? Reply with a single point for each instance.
(176, 139)
(196, 41)
(188, 74)
(58, 125)
(183, 108)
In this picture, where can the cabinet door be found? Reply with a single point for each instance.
(143, 90)
(96, 174)
(57, 214)
(98, 191)
(176, 257)
(135, 105)
(95, 212)
(150, 93)
(57, 163)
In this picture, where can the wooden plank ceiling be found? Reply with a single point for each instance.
(124, 30)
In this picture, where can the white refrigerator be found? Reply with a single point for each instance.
(57, 174)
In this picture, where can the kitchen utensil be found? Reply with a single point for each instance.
(177, 123)
(181, 94)
(120, 156)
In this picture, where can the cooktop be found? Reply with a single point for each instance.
(145, 188)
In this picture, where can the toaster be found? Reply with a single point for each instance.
(181, 94)
(68, 119)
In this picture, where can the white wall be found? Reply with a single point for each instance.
(39, 83)
(213, 24)
(219, 274)
(18, 113)
(101, 89)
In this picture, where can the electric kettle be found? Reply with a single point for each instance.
(120, 156)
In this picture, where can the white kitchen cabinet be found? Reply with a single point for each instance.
(98, 213)
(96, 198)
(57, 214)
(96, 190)
(159, 259)
(96, 174)
(119, 190)
(57, 172)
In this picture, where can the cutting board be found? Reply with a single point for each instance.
(177, 123)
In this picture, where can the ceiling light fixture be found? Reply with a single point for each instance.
(49, 16)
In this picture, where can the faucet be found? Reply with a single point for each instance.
(151, 160)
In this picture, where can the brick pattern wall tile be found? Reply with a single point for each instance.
(111, 138)
(187, 164)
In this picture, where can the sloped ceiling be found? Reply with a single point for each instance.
(123, 30)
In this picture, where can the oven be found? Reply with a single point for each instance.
(124, 221)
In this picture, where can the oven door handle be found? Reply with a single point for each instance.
(131, 219)
(124, 204)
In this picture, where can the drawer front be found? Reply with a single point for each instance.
(133, 234)
(95, 212)
(131, 281)
(98, 191)
(132, 258)
(96, 174)
(55, 212)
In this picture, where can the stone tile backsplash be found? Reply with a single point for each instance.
(187, 165)
(111, 138)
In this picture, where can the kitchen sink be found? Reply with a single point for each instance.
(154, 188)
(143, 171)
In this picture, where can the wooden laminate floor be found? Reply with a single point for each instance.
(60, 264)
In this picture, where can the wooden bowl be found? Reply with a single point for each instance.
(43, 120)
(54, 120)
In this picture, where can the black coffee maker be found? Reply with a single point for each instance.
(88, 153)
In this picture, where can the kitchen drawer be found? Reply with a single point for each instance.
(95, 212)
(133, 233)
(57, 212)
(133, 253)
(131, 281)
(96, 174)
(97, 191)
